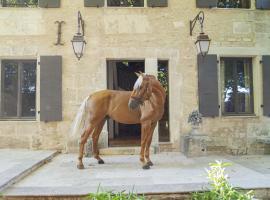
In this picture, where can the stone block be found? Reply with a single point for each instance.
(194, 145)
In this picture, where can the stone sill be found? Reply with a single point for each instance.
(18, 120)
(239, 117)
(235, 9)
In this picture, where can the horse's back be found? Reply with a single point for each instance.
(106, 100)
(113, 103)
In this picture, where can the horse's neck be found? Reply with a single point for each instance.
(159, 93)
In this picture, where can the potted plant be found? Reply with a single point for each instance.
(195, 119)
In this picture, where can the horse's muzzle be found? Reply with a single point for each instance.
(133, 104)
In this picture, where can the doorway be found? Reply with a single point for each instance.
(121, 76)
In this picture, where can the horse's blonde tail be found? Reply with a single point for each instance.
(81, 121)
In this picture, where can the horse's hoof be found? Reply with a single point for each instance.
(146, 166)
(101, 162)
(150, 163)
(80, 166)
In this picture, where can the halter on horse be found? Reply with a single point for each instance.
(144, 105)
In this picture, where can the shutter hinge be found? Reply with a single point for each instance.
(217, 61)
(261, 62)
(262, 106)
(219, 106)
(38, 63)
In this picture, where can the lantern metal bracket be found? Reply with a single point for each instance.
(80, 24)
(59, 33)
(199, 18)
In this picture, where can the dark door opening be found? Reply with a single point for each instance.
(121, 76)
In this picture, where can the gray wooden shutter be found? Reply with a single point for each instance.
(208, 85)
(263, 4)
(49, 3)
(51, 88)
(206, 3)
(266, 85)
(157, 3)
(93, 3)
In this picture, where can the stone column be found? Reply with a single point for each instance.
(151, 66)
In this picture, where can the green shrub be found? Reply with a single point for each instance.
(220, 187)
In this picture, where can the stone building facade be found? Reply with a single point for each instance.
(148, 34)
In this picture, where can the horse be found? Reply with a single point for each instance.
(144, 105)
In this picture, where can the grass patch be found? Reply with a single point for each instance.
(110, 195)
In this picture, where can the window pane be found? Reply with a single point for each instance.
(28, 89)
(237, 86)
(126, 3)
(10, 89)
(228, 87)
(244, 86)
(19, 3)
(233, 4)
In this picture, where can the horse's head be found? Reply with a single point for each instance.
(142, 91)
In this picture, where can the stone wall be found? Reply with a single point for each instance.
(137, 33)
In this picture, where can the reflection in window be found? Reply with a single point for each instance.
(237, 86)
(10, 89)
(19, 3)
(233, 4)
(18, 93)
(28, 89)
(126, 3)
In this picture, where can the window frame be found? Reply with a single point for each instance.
(236, 97)
(19, 116)
(168, 99)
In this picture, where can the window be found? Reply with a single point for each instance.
(19, 3)
(237, 87)
(18, 89)
(233, 4)
(126, 3)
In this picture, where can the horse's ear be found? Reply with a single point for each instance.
(137, 74)
(141, 73)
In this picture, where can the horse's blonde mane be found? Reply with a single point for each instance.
(138, 83)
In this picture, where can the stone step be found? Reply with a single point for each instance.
(31, 161)
(123, 151)
(166, 147)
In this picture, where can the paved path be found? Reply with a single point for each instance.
(172, 173)
(16, 164)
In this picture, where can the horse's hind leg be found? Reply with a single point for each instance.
(95, 137)
(84, 138)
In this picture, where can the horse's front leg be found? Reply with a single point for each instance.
(84, 138)
(148, 144)
(146, 128)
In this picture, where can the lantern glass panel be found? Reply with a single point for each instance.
(204, 46)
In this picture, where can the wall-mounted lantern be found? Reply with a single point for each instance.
(78, 42)
(203, 41)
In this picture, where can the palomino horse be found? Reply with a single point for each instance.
(144, 105)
